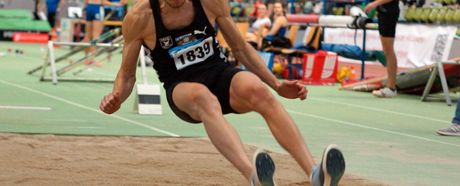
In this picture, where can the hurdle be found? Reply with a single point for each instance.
(104, 47)
(55, 72)
(75, 50)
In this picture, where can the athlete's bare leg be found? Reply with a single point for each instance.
(248, 93)
(202, 105)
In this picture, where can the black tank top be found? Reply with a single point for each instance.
(181, 52)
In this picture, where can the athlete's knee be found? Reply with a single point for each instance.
(260, 97)
(204, 101)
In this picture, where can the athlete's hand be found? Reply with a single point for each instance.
(110, 103)
(292, 89)
(370, 6)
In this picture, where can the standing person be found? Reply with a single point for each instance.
(201, 86)
(388, 13)
(93, 12)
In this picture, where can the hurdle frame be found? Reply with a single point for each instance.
(52, 62)
(438, 70)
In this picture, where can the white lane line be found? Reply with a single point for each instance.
(372, 128)
(23, 107)
(383, 110)
(89, 108)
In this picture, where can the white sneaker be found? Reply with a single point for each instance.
(384, 93)
(264, 167)
(331, 169)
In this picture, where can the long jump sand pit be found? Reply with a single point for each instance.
(109, 160)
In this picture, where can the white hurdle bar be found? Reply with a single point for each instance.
(52, 59)
(88, 44)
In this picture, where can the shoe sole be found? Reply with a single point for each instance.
(333, 165)
(447, 133)
(265, 168)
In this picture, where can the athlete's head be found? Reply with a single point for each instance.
(174, 3)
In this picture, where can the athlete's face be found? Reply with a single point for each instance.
(175, 3)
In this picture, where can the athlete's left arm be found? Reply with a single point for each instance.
(243, 52)
(247, 55)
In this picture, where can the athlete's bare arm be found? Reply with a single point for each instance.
(243, 52)
(247, 55)
(138, 28)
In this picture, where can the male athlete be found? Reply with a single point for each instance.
(201, 86)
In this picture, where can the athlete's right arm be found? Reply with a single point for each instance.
(133, 27)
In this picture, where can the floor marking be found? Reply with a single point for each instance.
(382, 110)
(24, 107)
(372, 128)
(89, 108)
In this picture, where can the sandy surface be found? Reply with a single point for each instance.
(91, 160)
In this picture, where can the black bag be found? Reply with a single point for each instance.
(277, 42)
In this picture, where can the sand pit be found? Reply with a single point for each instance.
(96, 160)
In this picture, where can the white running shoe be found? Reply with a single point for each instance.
(265, 168)
(331, 169)
(384, 93)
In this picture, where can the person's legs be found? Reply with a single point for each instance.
(98, 26)
(456, 118)
(88, 31)
(392, 65)
(454, 128)
(88, 37)
(248, 93)
(52, 19)
(202, 105)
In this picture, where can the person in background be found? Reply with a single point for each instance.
(53, 7)
(93, 13)
(388, 14)
(36, 9)
(276, 36)
(118, 12)
(259, 27)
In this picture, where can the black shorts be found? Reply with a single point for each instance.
(217, 79)
(387, 19)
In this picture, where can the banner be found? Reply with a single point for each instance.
(415, 45)
(25, 37)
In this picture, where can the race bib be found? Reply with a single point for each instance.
(192, 53)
